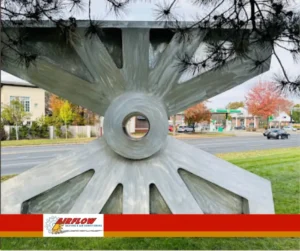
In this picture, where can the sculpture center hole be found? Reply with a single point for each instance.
(136, 125)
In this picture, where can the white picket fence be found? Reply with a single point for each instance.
(76, 131)
(82, 131)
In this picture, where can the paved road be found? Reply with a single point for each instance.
(18, 159)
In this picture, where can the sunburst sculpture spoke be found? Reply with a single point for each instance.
(135, 72)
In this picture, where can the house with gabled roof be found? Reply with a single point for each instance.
(32, 97)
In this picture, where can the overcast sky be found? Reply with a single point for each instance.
(143, 10)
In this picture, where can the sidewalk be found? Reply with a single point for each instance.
(39, 142)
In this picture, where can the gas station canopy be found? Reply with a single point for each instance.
(225, 111)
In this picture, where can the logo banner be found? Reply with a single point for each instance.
(73, 225)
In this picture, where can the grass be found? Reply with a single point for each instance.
(29, 142)
(280, 166)
(4, 178)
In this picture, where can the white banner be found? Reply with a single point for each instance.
(73, 225)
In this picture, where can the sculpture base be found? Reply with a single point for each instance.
(179, 179)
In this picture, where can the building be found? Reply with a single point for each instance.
(32, 97)
(248, 120)
(245, 119)
(141, 124)
(283, 119)
(179, 119)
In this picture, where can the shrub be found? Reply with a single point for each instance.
(12, 134)
(81, 135)
(23, 132)
(58, 132)
(47, 120)
(70, 135)
(3, 134)
(63, 134)
(93, 134)
(44, 131)
(34, 130)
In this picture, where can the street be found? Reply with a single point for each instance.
(15, 160)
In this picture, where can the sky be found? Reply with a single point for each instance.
(145, 11)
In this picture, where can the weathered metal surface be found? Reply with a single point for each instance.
(114, 204)
(148, 65)
(125, 106)
(60, 198)
(211, 198)
(127, 69)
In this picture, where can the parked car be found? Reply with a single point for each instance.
(278, 134)
(239, 128)
(205, 128)
(185, 129)
(170, 128)
(289, 128)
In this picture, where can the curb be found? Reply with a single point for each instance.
(202, 137)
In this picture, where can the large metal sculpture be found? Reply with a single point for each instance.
(129, 69)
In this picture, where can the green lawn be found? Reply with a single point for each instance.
(29, 142)
(281, 166)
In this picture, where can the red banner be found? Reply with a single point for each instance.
(168, 225)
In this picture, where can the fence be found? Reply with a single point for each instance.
(74, 131)
(81, 131)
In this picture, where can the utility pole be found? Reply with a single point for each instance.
(279, 117)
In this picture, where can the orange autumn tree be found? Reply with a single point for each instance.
(265, 99)
(82, 116)
(55, 104)
(196, 114)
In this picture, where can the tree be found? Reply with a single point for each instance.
(235, 105)
(66, 114)
(15, 114)
(296, 113)
(265, 100)
(267, 24)
(196, 114)
(79, 118)
(55, 104)
(82, 116)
